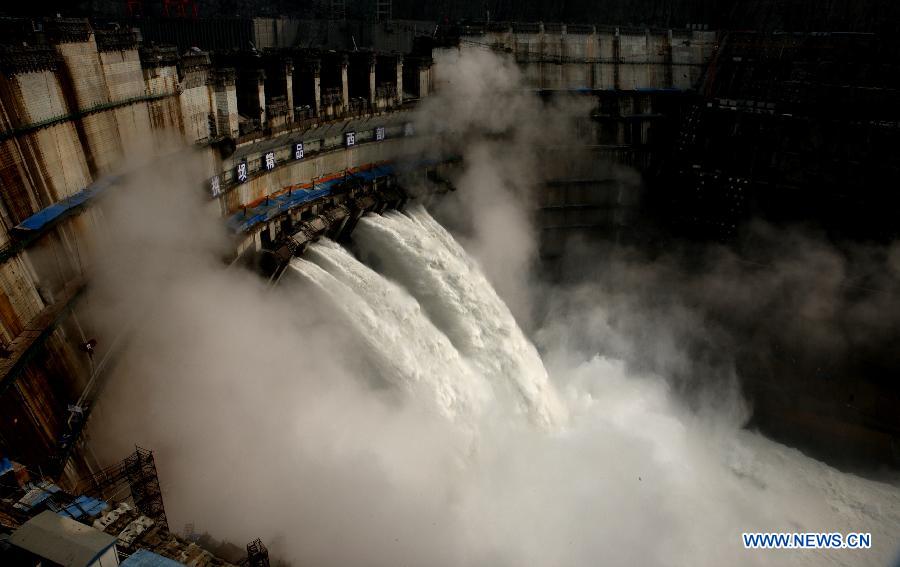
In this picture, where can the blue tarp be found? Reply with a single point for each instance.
(588, 90)
(45, 217)
(83, 505)
(145, 558)
(659, 90)
(36, 494)
(5, 466)
(240, 222)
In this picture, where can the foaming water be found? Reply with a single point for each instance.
(607, 468)
(416, 251)
(410, 351)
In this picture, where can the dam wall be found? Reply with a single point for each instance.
(640, 82)
(699, 128)
(572, 57)
(276, 166)
(80, 107)
(74, 104)
(297, 143)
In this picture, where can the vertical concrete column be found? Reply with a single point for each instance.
(261, 95)
(372, 60)
(317, 86)
(616, 60)
(542, 38)
(542, 55)
(289, 87)
(225, 99)
(399, 97)
(345, 85)
(670, 67)
(234, 122)
(649, 67)
(426, 78)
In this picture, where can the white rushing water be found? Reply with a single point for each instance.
(604, 467)
(416, 251)
(409, 350)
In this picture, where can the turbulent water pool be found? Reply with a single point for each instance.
(582, 464)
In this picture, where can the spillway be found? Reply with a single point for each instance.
(418, 252)
(609, 468)
(683, 363)
(443, 324)
(408, 350)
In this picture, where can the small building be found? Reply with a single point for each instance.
(51, 539)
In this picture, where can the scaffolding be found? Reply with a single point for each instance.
(138, 472)
(257, 554)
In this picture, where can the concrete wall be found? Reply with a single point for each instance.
(276, 32)
(607, 59)
(85, 104)
(325, 155)
(196, 105)
(304, 171)
(66, 120)
(42, 165)
(70, 114)
(122, 73)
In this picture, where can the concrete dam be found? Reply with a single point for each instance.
(397, 292)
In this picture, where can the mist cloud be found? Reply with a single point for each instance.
(482, 113)
(268, 420)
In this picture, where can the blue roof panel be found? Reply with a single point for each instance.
(41, 219)
(145, 558)
(36, 494)
(243, 221)
(84, 505)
